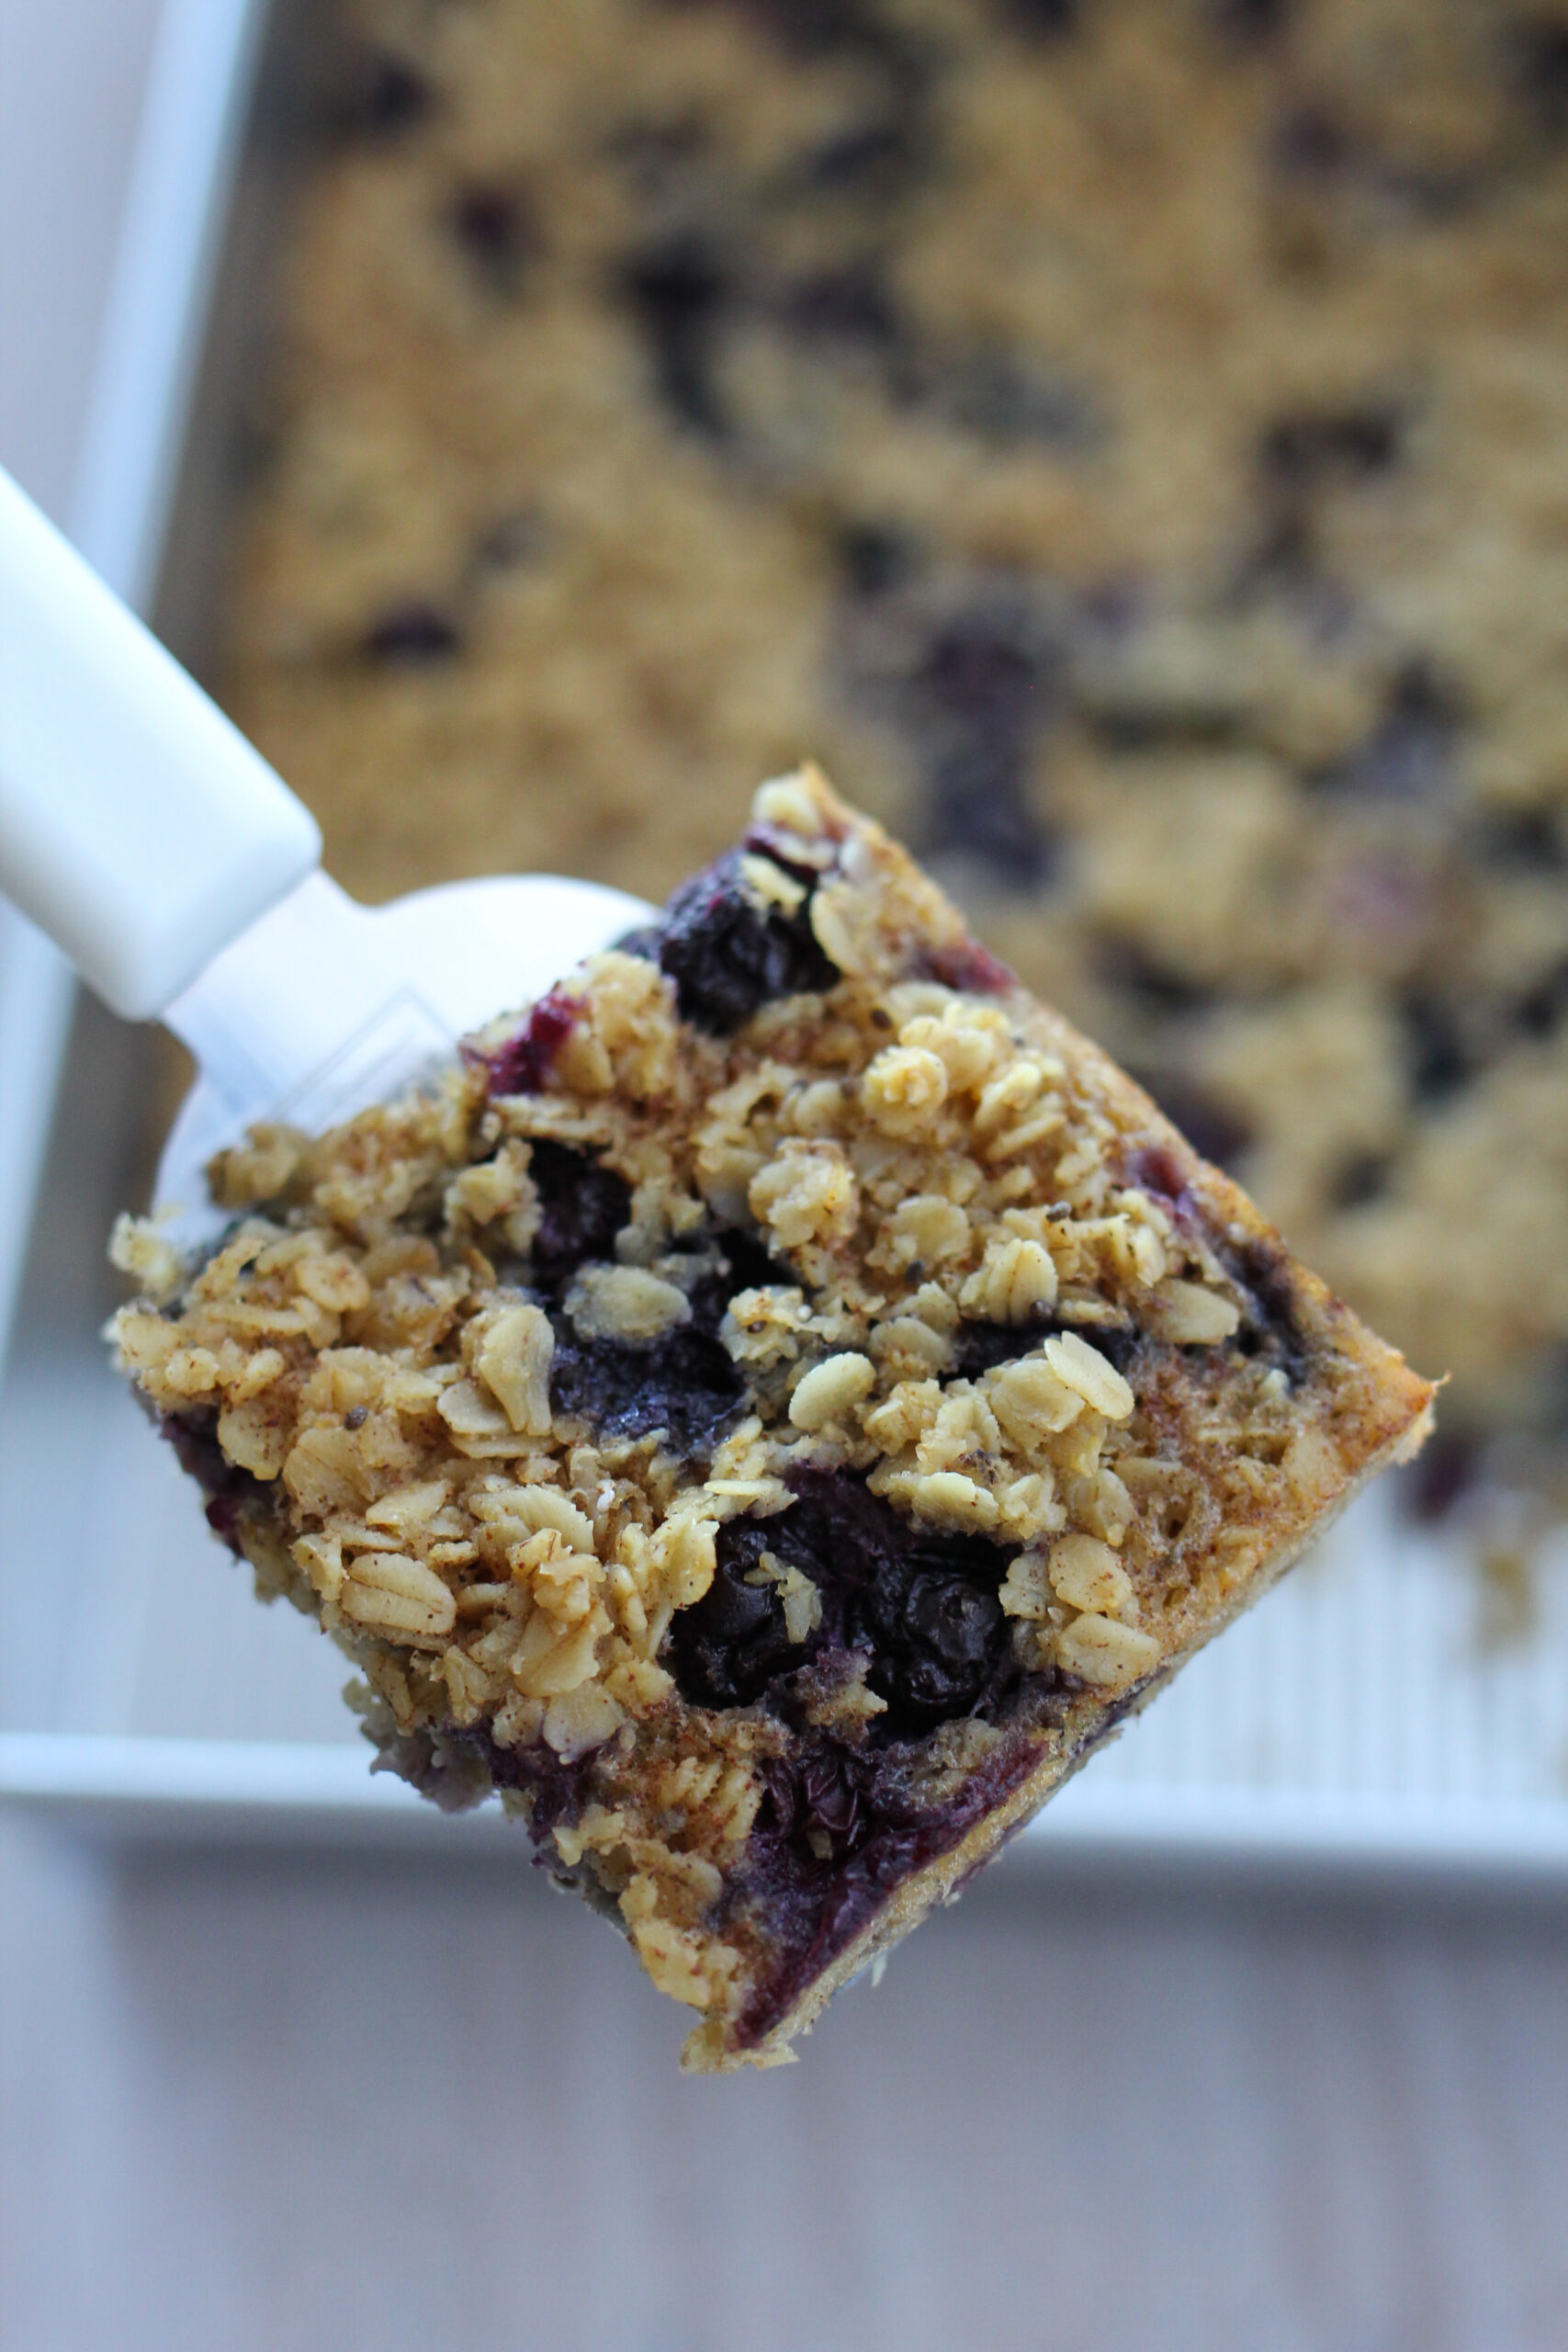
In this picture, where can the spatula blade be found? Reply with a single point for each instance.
(324, 1006)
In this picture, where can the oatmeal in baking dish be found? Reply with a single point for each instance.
(1125, 436)
(770, 1413)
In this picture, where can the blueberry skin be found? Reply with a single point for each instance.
(922, 1610)
(729, 957)
(936, 1639)
(412, 636)
(678, 292)
(731, 1643)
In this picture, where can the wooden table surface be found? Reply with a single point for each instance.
(282, 2104)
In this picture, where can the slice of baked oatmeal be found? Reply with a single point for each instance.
(772, 1412)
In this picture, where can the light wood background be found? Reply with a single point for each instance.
(271, 2104)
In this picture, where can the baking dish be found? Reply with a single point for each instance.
(1358, 1721)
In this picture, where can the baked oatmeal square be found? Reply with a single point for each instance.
(772, 1412)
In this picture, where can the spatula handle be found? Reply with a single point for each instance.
(137, 825)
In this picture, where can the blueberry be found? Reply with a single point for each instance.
(936, 1638)
(979, 668)
(874, 558)
(967, 966)
(729, 1646)
(1250, 23)
(851, 305)
(980, 693)
(924, 1607)
(411, 637)
(1270, 1330)
(381, 95)
(1539, 1011)
(684, 1389)
(818, 27)
(1310, 145)
(494, 227)
(831, 1797)
(1158, 987)
(746, 1266)
(583, 1208)
(1215, 1132)
(1155, 1168)
(1409, 754)
(1285, 560)
(1539, 56)
(1530, 841)
(524, 1063)
(644, 941)
(733, 1612)
(1347, 445)
(678, 289)
(1445, 1472)
(226, 1486)
(971, 688)
(729, 957)
(1360, 1178)
(1042, 19)
(980, 1347)
(1437, 1058)
(872, 158)
(1006, 402)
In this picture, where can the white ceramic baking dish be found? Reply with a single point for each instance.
(1355, 1723)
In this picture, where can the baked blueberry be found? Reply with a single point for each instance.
(679, 291)
(936, 1639)
(380, 95)
(411, 637)
(1351, 445)
(494, 226)
(732, 1644)
(582, 1206)
(728, 956)
(983, 690)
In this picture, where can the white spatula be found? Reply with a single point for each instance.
(141, 831)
